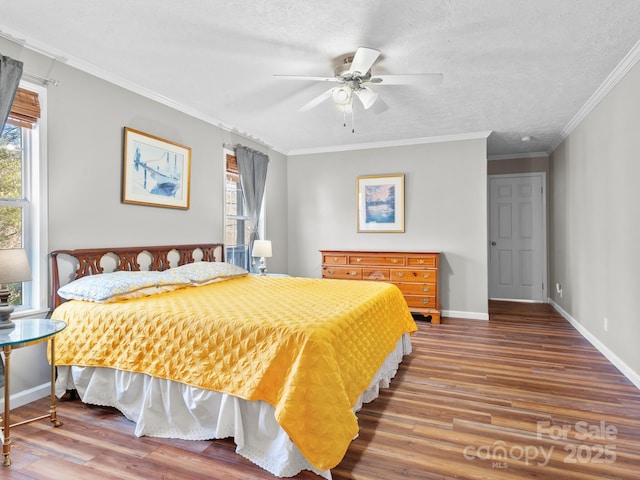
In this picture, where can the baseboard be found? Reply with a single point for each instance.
(627, 371)
(24, 397)
(468, 315)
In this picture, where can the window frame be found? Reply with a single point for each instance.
(236, 218)
(228, 152)
(35, 208)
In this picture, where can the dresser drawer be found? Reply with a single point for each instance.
(420, 301)
(409, 275)
(390, 260)
(376, 274)
(334, 259)
(429, 289)
(352, 273)
(427, 260)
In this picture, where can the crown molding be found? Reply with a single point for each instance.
(391, 143)
(618, 73)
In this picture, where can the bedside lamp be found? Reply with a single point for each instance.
(262, 249)
(14, 268)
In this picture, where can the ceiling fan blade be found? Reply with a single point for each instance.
(363, 60)
(366, 96)
(316, 101)
(379, 107)
(308, 77)
(408, 79)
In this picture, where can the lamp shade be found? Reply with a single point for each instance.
(341, 95)
(261, 248)
(347, 108)
(14, 266)
(367, 96)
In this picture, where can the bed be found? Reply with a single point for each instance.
(190, 347)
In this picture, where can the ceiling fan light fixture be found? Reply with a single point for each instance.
(342, 95)
(346, 108)
(367, 96)
(352, 77)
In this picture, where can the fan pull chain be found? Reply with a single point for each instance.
(344, 121)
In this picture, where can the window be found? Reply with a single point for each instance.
(23, 193)
(237, 227)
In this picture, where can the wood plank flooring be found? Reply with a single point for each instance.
(518, 397)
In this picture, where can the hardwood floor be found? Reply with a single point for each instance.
(520, 396)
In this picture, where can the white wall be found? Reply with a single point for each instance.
(595, 224)
(446, 211)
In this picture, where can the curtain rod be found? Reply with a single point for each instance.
(25, 44)
(39, 78)
(235, 147)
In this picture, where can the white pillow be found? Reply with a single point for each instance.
(110, 287)
(207, 272)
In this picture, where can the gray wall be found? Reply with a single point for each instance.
(595, 223)
(86, 118)
(446, 211)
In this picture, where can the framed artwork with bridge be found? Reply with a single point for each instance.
(155, 171)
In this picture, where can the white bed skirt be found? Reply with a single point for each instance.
(163, 408)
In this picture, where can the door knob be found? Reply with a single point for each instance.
(493, 244)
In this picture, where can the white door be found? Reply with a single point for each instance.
(517, 245)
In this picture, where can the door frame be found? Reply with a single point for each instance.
(543, 254)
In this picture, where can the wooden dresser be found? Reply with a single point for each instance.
(415, 273)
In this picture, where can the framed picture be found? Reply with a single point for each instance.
(155, 172)
(381, 203)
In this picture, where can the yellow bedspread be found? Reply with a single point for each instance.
(308, 347)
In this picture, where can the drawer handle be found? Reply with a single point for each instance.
(421, 261)
(331, 271)
(335, 259)
(358, 259)
(400, 274)
(425, 288)
(425, 301)
(426, 275)
(353, 273)
(394, 260)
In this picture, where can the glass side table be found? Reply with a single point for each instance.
(25, 333)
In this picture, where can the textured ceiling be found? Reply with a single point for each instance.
(515, 68)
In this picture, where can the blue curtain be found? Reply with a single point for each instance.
(10, 74)
(252, 170)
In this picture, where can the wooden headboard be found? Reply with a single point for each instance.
(93, 261)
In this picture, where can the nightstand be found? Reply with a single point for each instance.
(25, 333)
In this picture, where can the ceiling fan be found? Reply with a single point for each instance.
(353, 77)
